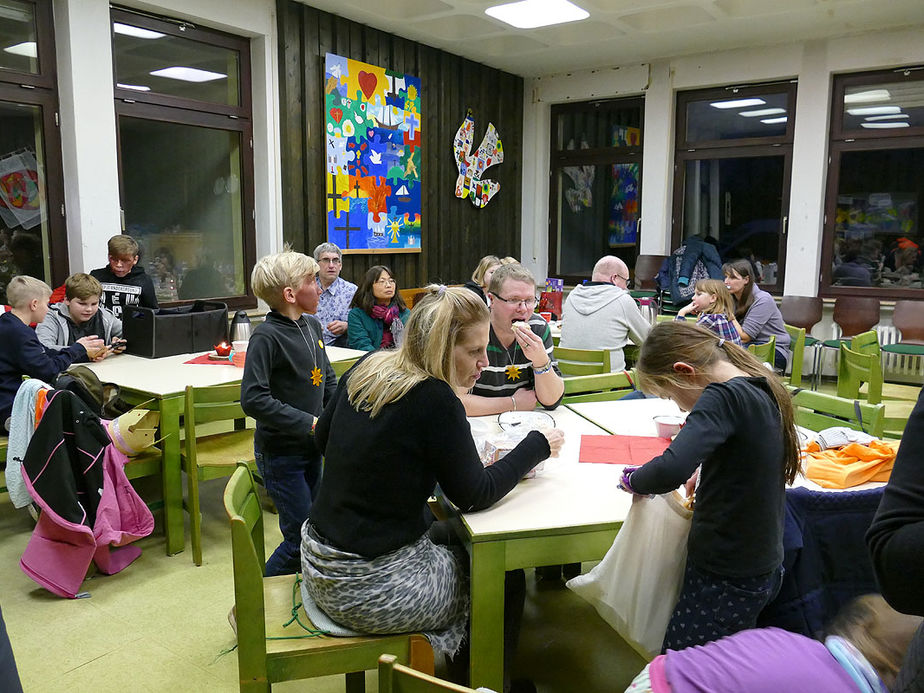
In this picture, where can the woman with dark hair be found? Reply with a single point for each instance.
(377, 313)
(757, 313)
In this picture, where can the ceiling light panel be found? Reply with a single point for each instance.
(884, 126)
(188, 74)
(136, 31)
(874, 110)
(868, 96)
(737, 103)
(762, 112)
(530, 14)
(26, 48)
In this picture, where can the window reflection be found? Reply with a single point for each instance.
(18, 46)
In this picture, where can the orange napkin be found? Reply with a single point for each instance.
(851, 465)
(621, 449)
(204, 359)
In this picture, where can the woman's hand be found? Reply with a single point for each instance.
(525, 399)
(555, 438)
(532, 346)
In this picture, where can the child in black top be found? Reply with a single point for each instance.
(124, 282)
(740, 434)
(287, 380)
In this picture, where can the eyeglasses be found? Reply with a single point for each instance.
(619, 276)
(330, 261)
(527, 302)
(385, 282)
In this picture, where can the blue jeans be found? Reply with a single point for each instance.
(292, 482)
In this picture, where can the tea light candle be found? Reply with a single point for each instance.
(223, 349)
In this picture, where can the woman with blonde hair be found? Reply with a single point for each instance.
(481, 277)
(740, 435)
(394, 429)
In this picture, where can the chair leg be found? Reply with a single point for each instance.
(195, 514)
(356, 682)
(421, 654)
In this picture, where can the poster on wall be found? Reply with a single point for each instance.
(471, 182)
(21, 188)
(624, 210)
(372, 176)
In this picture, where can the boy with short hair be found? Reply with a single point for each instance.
(22, 353)
(80, 315)
(287, 381)
(124, 282)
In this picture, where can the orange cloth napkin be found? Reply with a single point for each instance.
(203, 359)
(851, 465)
(621, 449)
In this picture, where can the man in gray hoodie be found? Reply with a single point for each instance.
(602, 315)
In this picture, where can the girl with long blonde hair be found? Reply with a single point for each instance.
(715, 309)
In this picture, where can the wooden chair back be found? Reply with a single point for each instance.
(209, 405)
(266, 651)
(646, 267)
(866, 343)
(854, 369)
(797, 347)
(909, 319)
(818, 411)
(395, 678)
(856, 314)
(582, 361)
(602, 387)
(764, 352)
(802, 311)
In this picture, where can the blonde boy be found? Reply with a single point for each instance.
(124, 281)
(80, 315)
(22, 352)
(287, 381)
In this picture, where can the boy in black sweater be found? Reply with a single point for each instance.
(287, 381)
(124, 282)
(22, 353)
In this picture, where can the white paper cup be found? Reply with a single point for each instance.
(668, 426)
(239, 346)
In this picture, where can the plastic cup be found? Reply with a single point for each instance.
(546, 315)
(239, 345)
(668, 426)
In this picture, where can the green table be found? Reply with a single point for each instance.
(570, 512)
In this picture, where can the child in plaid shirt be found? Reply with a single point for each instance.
(713, 303)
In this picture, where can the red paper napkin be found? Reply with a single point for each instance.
(621, 449)
(204, 359)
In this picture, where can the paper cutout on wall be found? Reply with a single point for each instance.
(624, 209)
(471, 168)
(582, 177)
(21, 190)
(374, 157)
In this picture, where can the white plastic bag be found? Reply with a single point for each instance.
(636, 586)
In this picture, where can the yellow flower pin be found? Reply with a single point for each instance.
(513, 372)
(316, 376)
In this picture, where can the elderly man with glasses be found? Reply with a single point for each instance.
(520, 371)
(600, 314)
(336, 295)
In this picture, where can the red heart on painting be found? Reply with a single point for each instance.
(367, 82)
(336, 114)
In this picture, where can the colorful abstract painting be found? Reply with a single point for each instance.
(374, 157)
(471, 182)
(624, 209)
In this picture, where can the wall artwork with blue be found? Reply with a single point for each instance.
(372, 174)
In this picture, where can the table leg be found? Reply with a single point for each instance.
(172, 472)
(486, 667)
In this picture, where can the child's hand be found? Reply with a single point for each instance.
(624, 482)
(686, 310)
(95, 347)
(555, 439)
(117, 345)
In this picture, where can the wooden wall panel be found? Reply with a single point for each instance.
(455, 233)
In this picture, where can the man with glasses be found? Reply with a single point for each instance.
(520, 371)
(336, 295)
(601, 314)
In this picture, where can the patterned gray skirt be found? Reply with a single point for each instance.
(420, 587)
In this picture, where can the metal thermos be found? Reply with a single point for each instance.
(240, 327)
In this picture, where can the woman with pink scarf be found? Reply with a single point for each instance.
(377, 314)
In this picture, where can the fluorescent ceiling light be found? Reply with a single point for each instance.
(895, 116)
(133, 87)
(874, 110)
(762, 112)
(188, 74)
(738, 103)
(867, 96)
(27, 48)
(16, 14)
(136, 31)
(883, 126)
(774, 121)
(530, 14)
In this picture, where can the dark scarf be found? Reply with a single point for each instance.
(393, 326)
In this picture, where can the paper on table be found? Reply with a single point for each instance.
(621, 449)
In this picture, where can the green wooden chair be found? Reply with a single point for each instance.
(267, 652)
(865, 343)
(341, 367)
(855, 368)
(582, 361)
(667, 317)
(818, 411)
(395, 678)
(797, 347)
(764, 352)
(212, 456)
(602, 387)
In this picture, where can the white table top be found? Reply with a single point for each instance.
(170, 375)
(566, 493)
(634, 417)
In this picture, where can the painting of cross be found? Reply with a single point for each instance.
(334, 196)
